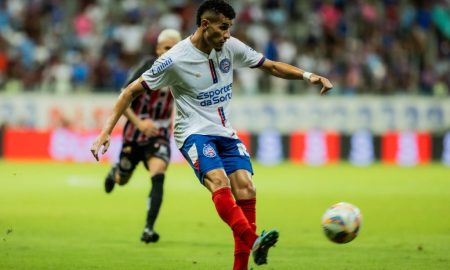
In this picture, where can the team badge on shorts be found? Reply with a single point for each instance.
(208, 151)
(225, 65)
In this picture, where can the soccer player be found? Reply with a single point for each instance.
(199, 70)
(146, 137)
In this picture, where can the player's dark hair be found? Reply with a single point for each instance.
(217, 6)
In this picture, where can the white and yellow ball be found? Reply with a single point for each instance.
(341, 222)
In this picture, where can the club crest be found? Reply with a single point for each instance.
(209, 151)
(225, 65)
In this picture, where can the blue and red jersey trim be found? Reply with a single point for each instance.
(213, 71)
(263, 59)
(145, 85)
(222, 115)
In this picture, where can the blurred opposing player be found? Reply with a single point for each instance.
(146, 137)
(200, 71)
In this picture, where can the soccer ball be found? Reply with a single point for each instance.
(341, 222)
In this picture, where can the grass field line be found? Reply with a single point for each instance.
(85, 181)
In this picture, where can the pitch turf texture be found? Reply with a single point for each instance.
(57, 216)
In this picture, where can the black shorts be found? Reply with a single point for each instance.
(132, 153)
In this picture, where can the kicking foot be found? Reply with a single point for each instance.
(262, 244)
(109, 180)
(149, 236)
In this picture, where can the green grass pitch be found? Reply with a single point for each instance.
(57, 216)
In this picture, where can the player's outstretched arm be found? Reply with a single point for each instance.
(286, 71)
(103, 139)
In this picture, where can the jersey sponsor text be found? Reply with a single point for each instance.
(219, 95)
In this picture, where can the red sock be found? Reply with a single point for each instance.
(232, 215)
(241, 251)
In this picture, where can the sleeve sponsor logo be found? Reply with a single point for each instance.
(161, 65)
(219, 95)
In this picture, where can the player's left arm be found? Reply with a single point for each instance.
(286, 71)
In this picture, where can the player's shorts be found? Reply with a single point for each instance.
(205, 153)
(132, 153)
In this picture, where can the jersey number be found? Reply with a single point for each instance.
(242, 150)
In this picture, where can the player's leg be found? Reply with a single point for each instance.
(234, 216)
(245, 193)
(201, 153)
(110, 179)
(218, 183)
(157, 169)
(157, 156)
(237, 165)
(121, 172)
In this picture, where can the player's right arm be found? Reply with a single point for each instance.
(126, 96)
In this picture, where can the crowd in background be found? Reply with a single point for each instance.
(365, 47)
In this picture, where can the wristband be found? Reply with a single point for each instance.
(307, 75)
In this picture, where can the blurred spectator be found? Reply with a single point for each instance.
(364, 46)
(57, 76)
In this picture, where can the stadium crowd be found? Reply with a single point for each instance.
(365, 47)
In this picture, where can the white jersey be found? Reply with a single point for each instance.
(201, 84)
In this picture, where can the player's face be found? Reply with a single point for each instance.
(217, 32)
(165, 45)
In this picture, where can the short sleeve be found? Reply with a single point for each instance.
(244, 55)
(159, 75)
